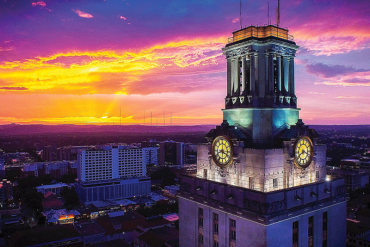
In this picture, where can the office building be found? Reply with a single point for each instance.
(260, 179)
(112, 172)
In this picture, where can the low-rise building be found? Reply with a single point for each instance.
(57, 235)
(54, 188)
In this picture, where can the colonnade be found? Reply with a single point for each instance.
(243, 76)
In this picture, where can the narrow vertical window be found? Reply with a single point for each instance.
(232, 232)
(317, 174)
(295, 234)
(325, 229)
(310, 231)
(200, 227)
(200, 217)
(205, 173)
(215, 223)
(275, 182)
(200, 239)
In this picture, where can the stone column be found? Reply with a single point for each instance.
(278, 68)
(252, 74)
(291, 77)
(228, 78)
(242, 91)
(235, 87)
(286, 75)
(271, 73)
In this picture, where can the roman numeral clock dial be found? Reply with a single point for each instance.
(222, 151)
(303, 152)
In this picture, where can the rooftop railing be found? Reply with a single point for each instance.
(260, 32)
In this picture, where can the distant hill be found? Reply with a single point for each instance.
(17, 129)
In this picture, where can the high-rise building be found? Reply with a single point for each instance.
(172, 153)
(113, 172)
(261, 179)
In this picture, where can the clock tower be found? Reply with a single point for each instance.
(261, 178)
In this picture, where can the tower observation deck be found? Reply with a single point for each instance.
(260, 80)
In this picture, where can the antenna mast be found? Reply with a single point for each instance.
(240, 16)
(268, 13)
(278, 14)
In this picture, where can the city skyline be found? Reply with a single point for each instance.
(88, 62)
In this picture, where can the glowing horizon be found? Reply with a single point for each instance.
(80, 63)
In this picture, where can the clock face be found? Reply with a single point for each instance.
(303, 152)
(222, 151)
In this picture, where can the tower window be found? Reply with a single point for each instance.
(232, 231)
(200, 239)
(295, 234)
(200, 217)
(215, 223)
(275, 182)
(310, 231)
(317, 174)
(325, 229)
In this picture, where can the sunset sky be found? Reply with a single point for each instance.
(79, 62)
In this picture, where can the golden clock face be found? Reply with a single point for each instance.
(303, 152)
(222, 151)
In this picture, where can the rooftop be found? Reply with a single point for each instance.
(260, 32)
(43, 235)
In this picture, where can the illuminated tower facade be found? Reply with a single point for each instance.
(261, 178)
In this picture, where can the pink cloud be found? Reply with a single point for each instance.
(40, 3)
(235, 20)
(83, 14)
(122, 17)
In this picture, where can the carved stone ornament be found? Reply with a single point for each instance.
(249, 98)
(234, 99)
(223, 171)
(283, 51)
(185, 187)
(239, 52)
(340, 190)
(241, 99)
(227, 100)
(281, 99)
(287, 98)
(264, 208)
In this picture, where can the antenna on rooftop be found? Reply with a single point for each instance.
(240, 17)
(268, 13)
(278, 14)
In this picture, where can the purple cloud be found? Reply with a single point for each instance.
(328, 71)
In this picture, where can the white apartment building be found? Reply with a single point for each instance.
(114, 162)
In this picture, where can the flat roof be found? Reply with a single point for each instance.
(51, 186)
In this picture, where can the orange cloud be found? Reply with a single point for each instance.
(122, 17)
(94, 72)
(82, 14)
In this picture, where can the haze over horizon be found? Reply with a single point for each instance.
(79, 62)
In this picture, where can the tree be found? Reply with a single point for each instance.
(71, 199)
